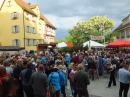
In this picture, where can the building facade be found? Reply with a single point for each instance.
(23, 25)
(124, 29)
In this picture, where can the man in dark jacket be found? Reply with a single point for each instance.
(91, 67)
(112, 72)
(81, 81)
(16, 74)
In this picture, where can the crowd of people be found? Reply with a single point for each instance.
(51, 72)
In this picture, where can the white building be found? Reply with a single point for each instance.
(124, 29)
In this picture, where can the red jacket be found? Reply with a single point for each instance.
(5, 75)
(77, 59)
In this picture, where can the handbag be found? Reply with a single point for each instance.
(51, 87)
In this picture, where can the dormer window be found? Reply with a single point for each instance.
(9, 3)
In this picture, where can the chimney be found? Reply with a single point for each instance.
(29, 4)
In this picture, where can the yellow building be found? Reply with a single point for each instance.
(23, 25)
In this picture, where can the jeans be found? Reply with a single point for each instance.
(83, 94)
(63, 91)
(91, 73)
(100, 69)
(29, 91)
(123, 88)
(112, 78)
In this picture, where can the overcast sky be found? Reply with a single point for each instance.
(64, 14)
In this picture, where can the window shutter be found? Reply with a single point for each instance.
(13, 29)
(7, 4)
(11, 3)
(13, 42)
(17, 15)
(32, 42)
(34, 30)
(29, 29)
(19, 43)
(18, 28)
(25, 15)
(11, 16)
(26, 42)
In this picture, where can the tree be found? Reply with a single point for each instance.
(96, 25)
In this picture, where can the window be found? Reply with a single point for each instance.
(33, 19)
(127, 33)
(14, 15)
(118, 36)
(15, 29)
(34, 30)
(31, 42)
(16, 42)
(9, 3)
(28, 42)
(27, 29)
(26, 15)
(34, 42)
(123, 34)
(40, 31)
(30, 18)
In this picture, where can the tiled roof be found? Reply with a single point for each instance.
(122, 26)
(25, 6)
(33, 6)
(46, 20)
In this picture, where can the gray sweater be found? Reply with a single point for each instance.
(39, 82)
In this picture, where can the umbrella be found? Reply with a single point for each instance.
(119, 43)
(64, 44)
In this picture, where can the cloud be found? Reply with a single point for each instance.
(64, 14)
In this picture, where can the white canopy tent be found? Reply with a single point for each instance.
(93, 44)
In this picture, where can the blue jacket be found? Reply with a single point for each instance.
(62, 78)
(54, 79)
(100, 61)
(67, 59)
(43, 60)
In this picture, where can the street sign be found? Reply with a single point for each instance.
(97, 37)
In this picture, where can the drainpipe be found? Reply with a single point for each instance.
(24, 28)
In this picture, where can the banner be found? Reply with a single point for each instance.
(97, 37)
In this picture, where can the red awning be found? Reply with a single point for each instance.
(69, 44)
(119, 43)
